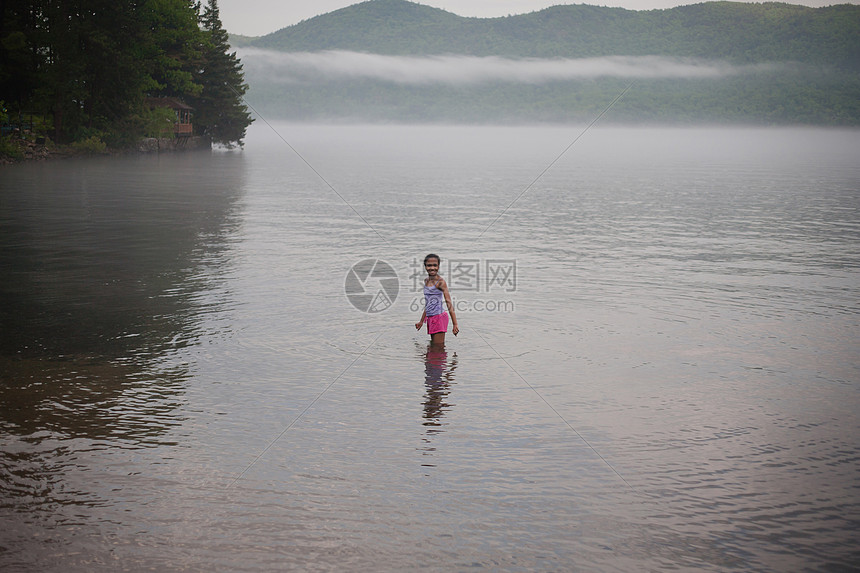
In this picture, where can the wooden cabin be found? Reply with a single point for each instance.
(182, 127)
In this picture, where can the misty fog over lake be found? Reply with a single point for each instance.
(657, 364)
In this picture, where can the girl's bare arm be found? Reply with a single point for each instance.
(444, 286)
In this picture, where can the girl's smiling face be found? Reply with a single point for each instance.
(432, 267)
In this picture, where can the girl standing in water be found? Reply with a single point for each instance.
(434, 289)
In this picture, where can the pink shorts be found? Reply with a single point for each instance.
(437, 323)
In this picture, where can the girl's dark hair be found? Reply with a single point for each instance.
(432, 256)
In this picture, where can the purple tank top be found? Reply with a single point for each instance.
(433, 298)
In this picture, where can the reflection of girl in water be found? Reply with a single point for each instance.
(438, 375)
(435, 288)
(435, 362)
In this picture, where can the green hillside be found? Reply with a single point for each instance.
(817, 83)
(736, 32)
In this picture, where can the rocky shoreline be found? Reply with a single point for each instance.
(32, 151)
(173, 144)
(29, 151)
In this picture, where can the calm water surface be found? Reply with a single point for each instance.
(657, 368)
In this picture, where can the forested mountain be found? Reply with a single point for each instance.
(88, 70)
(732, 31)
(808, 63)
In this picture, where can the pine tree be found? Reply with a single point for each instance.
(173, 48)
(220, 110)
(84, 54)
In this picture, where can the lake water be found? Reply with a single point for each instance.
(657, 367)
